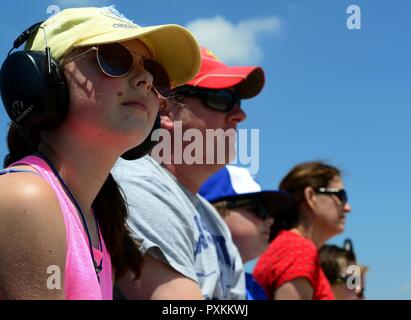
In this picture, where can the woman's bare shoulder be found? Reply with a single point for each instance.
(32, 236)
(27, 199)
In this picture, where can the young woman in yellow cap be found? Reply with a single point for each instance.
(85, 91)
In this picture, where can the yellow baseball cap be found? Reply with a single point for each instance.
(173, 46)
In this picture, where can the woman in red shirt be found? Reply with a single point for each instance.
(290, 268)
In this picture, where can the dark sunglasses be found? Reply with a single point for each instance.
(341, 194)
(115, 60)
(219, 100)
(256, 206)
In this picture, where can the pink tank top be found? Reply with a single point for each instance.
(80, 282)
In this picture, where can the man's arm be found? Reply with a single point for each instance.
(162, 218)
(160, 282)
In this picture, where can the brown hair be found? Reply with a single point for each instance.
(109, 206)
(330, 255)
(221, 207)
(314, 174)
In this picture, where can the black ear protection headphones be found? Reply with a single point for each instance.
(35, 94)
(33, 89)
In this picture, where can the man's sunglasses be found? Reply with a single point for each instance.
(115, 60)
(219, 100)
(341, 194)
(255, 205)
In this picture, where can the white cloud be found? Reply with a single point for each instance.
(234, 43)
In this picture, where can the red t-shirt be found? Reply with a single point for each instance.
(290, 256)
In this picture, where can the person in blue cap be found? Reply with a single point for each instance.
(248, 212)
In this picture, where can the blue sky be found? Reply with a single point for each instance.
(331, 93)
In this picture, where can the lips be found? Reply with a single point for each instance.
(231, 128)
(136, 104)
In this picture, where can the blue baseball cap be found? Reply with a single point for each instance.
(236, 182)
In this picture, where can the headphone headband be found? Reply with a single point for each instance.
(25, 35)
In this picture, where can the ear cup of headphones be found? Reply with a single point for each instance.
(145, 147)
(32, 97)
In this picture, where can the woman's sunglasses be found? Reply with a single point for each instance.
(341, 194)
(115, 60)
(219, 100)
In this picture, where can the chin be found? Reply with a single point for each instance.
(134, 140)
(213, 168)
(335, 231)
(340, 229)
(230, 154)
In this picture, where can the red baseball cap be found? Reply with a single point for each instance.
(214, 74)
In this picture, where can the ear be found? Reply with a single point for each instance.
(167, 123)
(166, 115)
(310, 197)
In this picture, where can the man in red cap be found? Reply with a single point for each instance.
(214, 74)
(189, 252)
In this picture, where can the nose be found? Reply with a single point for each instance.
(236, 115)
(141, 78)
(347, 208)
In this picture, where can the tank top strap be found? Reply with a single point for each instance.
(6, 171)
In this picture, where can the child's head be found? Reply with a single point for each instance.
(336, 262)
(248, 210)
